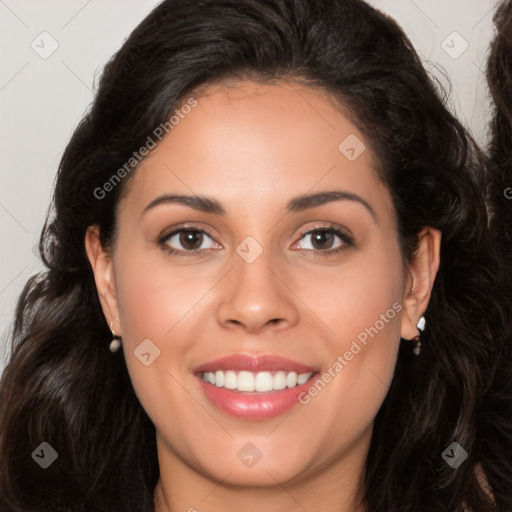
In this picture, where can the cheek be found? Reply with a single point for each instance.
(355, 297)
(361, 305)
(156, 307)
(161, 303)
(154, 298)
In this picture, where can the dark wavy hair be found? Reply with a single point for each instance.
(499, 150)
(499, 78)
(63, 386)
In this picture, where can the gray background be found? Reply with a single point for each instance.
(43, 96)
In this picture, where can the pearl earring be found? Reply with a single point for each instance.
(417, 343)
(115, 344)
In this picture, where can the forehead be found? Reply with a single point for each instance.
(253, 144)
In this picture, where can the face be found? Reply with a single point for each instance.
(260, 334)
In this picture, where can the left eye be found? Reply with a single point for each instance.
(190, 239)
(322, 239)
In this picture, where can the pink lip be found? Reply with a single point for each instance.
(252, 406)
(249, 363)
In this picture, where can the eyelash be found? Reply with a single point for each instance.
(331, 229)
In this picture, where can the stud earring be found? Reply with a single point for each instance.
(417, 343)
(115, 344)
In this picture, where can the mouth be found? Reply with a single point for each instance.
(254, 387)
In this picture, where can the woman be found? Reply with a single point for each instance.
(320, 344)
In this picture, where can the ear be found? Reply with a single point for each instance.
(102, 267)
(418, 286)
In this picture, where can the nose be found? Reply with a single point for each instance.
(257, 296)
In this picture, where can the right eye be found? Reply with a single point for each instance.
(190, 239)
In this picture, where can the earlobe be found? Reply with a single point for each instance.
(102, 267)
(418, 287)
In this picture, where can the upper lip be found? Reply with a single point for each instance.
(253, 363)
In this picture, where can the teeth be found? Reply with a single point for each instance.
(291, 379)
(280, 380)
(302, 378)
(230, 380)
(219, 379)
(261, 382)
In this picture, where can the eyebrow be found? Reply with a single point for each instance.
(296, 204)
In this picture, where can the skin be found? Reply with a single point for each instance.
(252, 147)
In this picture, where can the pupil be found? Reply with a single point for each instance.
(321, 235)
(189, 237)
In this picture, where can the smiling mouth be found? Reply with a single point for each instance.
(258, 382)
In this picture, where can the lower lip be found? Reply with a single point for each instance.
(254, 406)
